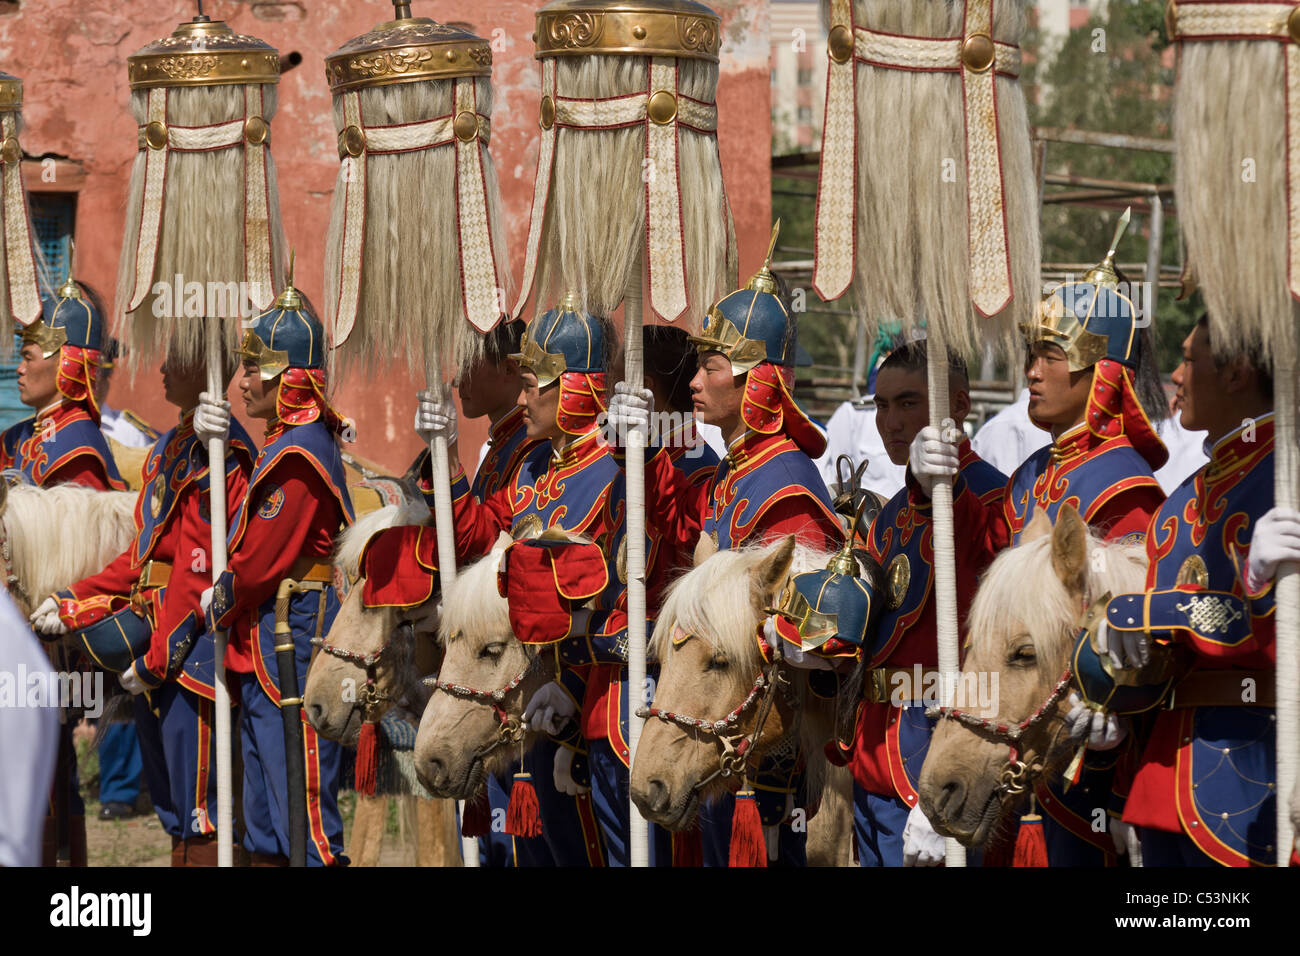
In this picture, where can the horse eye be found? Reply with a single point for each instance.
(1024, 656)
(717, 663)
(493, 651)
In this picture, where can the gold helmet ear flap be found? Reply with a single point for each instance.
(547, 366)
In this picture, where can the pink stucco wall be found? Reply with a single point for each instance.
(72, 60)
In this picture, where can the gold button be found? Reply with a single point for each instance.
(155, 135)
(1293, 25)
(256, 130)
(547, 112)
(465, 126)
(661, 108)
(840, 44)
(352, 142)
(10, 151)
(977, 52)
(638, 32)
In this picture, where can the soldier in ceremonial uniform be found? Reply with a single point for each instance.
(151, 592)
(765, 488)
(296, 501)
(1204, 791)
(671, 362)
(492, 387)
(567, 481)
(1084, 356)
(893, 735)
(61, 360)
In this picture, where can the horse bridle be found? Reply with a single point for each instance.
(510, 730)
(737, 749)
(370, 696)
(1016, 775)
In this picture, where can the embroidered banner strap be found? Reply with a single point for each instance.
(978, 59)
(159, 140)
(664, 111)
(469, 132)
(20, 258)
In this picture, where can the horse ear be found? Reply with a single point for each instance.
(769, 576)
(1040, 526)
(1070, 550)
(705, 548)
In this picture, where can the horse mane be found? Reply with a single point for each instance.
(61, 534)
(1021, 580)
(709, 602)
(472, 604)
(353, 539)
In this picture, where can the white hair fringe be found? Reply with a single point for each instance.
(202, 225)
(410, 296)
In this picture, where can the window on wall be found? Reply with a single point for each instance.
(53, 221)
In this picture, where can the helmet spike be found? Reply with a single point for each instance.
(70, 289)
(1103, 273)
(289, 299)
(763, 280)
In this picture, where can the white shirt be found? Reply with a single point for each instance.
(852, 431)
(28, 742)
(1186, 453)
(1009, 437)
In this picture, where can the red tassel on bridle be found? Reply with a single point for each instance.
(1031, 844)
(367, 759)
(748, 848)
(524, 814)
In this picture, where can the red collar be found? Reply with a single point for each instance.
(505, 425)
(752, 445)
(1241, 447)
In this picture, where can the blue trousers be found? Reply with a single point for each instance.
(189, 740)
(119, 764)
(266, 782)
(1162, 848)
(610, 794)
(148, 730)
(878, 823)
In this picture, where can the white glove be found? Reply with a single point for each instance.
(629, 408)
(211, 418)
(205, 601)
(1276, 539)
(934, 453)
(548, 709)
(563, 769)
(795, 656)
(1128, 650)
(921, 845)
(1119, 831)
(45, 619)
(435, 417)
(1101, 731)
(131, 682)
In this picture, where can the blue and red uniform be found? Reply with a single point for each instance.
(892, 737)
(1205, 788)
(163, 573)
(62, 444)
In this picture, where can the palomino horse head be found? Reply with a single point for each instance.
(53, 537)
(1022, 626)
(710, 669)
(471, 725)
(371, 658)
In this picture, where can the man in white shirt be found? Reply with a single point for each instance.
(28, 742)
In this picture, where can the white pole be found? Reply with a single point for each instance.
(638, 829)
(945, 564)
(1287, 626)
(445, 528)
(217, 509)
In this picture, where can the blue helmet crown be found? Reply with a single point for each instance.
(750, 325)
(287, 335)
(68, 317)
(565, 339)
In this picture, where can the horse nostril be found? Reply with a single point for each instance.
(657, 795)
(315, 714)
(952, 796)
